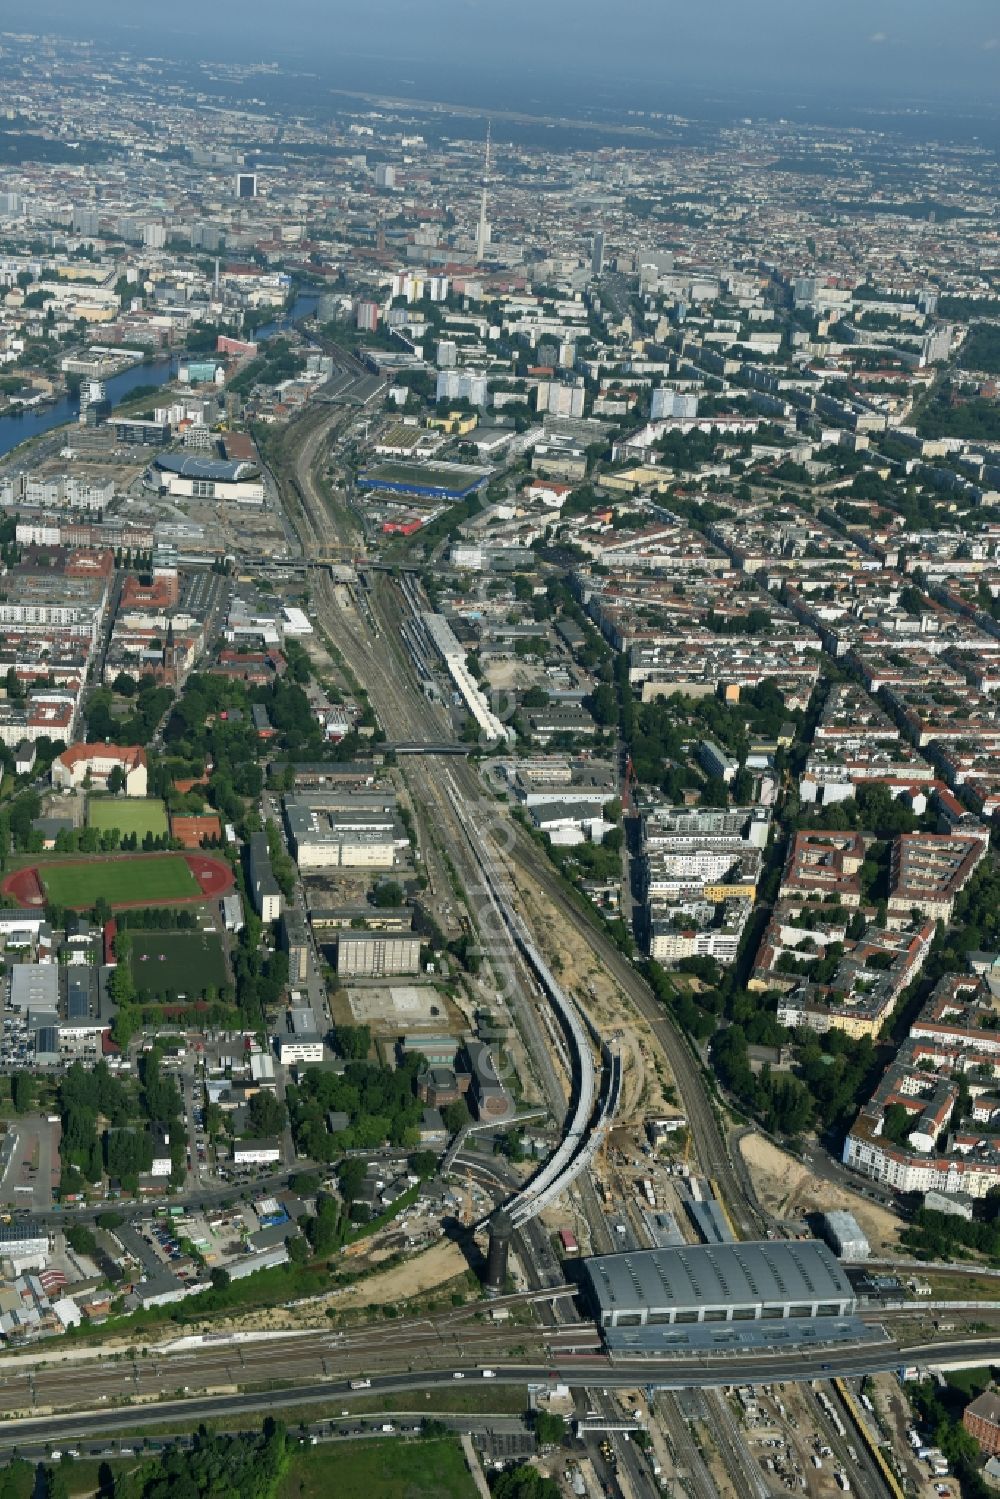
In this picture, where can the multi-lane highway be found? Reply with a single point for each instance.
(315, 1370)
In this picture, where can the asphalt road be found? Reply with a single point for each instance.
(228, 1366)
(135, 1212)
(666, 1374)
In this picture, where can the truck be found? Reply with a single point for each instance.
(361, 1384)
(842, 1480)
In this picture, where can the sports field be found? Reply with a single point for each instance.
(122, 881)
(129, 814)
(176, 965)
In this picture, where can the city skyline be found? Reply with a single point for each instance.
(500, 749)
(769, 56)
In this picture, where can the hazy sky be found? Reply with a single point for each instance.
(875, 50)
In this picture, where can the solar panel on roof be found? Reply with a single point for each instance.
(77, 1004)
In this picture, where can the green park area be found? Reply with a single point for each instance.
(129, 814)
(176, 965)
(142, 880)
(433, 1469)
(266, 1465)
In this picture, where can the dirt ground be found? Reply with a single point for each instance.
(516, 675)
(427, 1271)
(423, 1273)
(895, 1417)
(645, 1072)
(789, 1189)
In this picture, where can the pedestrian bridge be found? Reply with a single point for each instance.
(430, 747)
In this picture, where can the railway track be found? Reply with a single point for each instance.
(406, 714)
(692, 1471)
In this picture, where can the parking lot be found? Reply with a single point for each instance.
(184, 1246)
(32, 1174)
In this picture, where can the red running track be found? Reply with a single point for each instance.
(214, 876)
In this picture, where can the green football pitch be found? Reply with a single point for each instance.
(122, 881)
(128, 814)
(176, 965)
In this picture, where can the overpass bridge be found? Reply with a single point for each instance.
(431, 747)
(592, 1107)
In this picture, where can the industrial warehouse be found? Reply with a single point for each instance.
(706, 1295)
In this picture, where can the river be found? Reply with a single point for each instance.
(18, 427)
(304, 306)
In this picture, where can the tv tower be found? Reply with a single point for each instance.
(483, 231)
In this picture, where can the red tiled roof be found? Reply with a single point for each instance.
(131, 755)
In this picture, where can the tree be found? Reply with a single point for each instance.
(81, 1239)
(55, 1480)
(116, 780)
(126, 1022)
(603, 705)
(250, 1464)
(896, 1123)
(550, 1430)
(455, 1115)
(423, 1163)
(306, 1183)
(17, 1480)
(220, 1278)
(525, 1482)
(23, 1092)
(351, 1178)
(298, 1249)
(742, 787)
(324, 1232)
(266, 1115)
(387, 894)
(352, 1042)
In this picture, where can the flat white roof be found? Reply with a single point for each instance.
(34, 986)
(296, 622)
